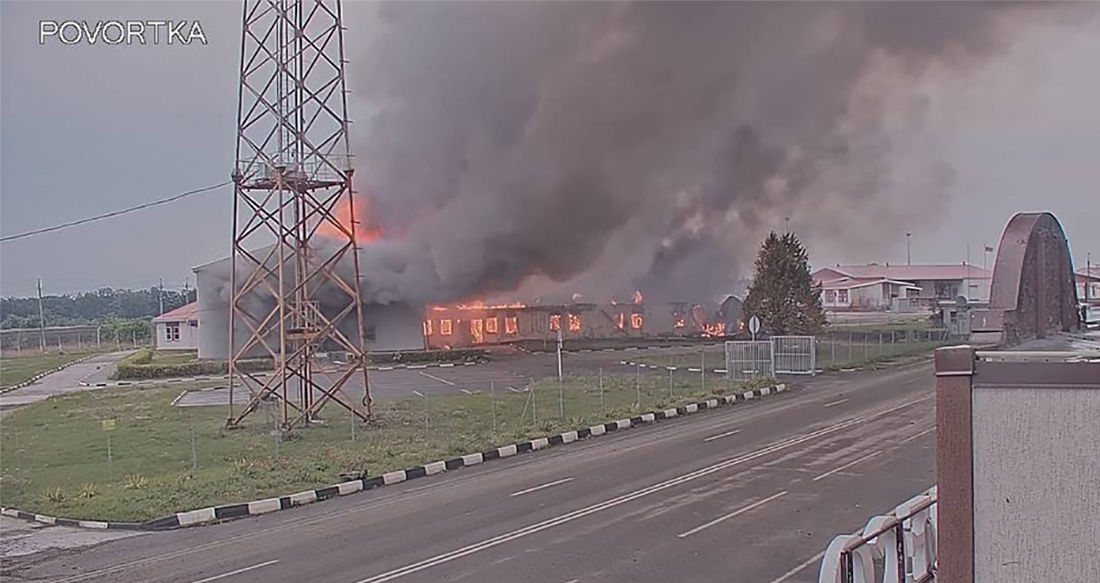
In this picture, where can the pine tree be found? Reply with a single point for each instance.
(783, 294)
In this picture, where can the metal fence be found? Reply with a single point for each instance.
(794, 354)
(749, 359)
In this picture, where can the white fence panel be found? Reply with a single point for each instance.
(794, 354)
(748, 359)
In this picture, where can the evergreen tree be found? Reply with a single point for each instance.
(782, 294)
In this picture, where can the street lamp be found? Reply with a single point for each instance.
(908, 252)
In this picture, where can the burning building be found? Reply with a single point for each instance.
(464, 325)
(399, 326)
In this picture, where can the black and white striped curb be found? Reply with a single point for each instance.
(256, 507)
(97, 524)
(720, 371)
(168, 381)
(40, 375)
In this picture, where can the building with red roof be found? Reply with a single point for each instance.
(884, 286)
(178, 329)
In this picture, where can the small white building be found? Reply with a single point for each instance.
(178, 329)
(879, 287)
(1088, 286)
(864, 293)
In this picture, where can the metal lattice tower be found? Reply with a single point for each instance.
(295, 265)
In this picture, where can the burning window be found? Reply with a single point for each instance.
(555, 322)
(427, 327)
(636, 321)
(511, 325)
(477, 330)
(574, 323)
(679, 322)
(491, 325)
(445, 327)
(622, 320)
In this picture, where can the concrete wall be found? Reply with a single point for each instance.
(1017, 469)
(389, 327)
(1036, 484)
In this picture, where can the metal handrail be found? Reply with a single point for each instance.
(912, 559)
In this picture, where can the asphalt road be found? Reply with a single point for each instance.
(62, 381)
(750, 493)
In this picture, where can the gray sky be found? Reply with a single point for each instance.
(87, 130)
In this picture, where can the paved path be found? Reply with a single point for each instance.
(750, 493)
(62, 381)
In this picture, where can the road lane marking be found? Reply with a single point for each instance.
(925, 432)
(237, 572)
(846, 466)
(837, 402)
(321, 521)
(435, 378)
(465, 391)
(737, 512)
(624, 498)
(547, 485)
(721, 435)
(801, 566)
(572, 581)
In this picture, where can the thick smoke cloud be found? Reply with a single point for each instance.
(599, 148)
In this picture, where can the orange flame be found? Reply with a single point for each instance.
(716, 329)
(336, 226)
(480, 305)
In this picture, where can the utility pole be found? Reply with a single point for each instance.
(160, 295)
(908, 251)
(788, 221)
(41, 317)
(966, 292)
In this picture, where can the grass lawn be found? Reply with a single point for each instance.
(14, 370)
(835, 355)
(54, 453)
(715, 358)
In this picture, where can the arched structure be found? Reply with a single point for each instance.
(1033, 291)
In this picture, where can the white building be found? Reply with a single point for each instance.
(878, 287)
(1088, 286)
(389, 327)
(178, 329)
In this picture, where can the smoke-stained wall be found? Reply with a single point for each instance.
(389, 327)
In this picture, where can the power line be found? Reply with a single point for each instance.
(115, 213)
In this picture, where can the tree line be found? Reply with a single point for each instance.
(94, 307)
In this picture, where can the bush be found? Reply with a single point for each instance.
(141, 365)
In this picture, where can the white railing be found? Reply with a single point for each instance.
(899, 547)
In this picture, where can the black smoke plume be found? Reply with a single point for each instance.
(602, 147)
